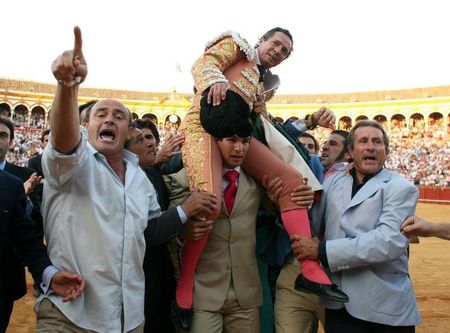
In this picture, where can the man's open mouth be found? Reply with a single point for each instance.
(107, 135)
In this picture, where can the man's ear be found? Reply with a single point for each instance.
(130, 131)
(347, 156)
(350, 152)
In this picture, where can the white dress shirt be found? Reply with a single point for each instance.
(94, 227)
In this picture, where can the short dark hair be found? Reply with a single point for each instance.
(86, 107)
(344, 135)
(366, 123)
(272, 31)
(147, 123)
(44, 134)
(309, 135)
(8, 123)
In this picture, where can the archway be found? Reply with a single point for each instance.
(361, 117)
(448, 124)
(279, 119)
(417, 125)
(436, 127)
(436, 118)
(172, 123)
(20, 115)
(398, 126)
(345, 123)
(38, 117)
(5, 110)
(382, 120)
(152, 117)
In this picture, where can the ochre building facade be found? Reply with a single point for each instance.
(410, 110)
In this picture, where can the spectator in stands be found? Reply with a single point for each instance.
(34, 163)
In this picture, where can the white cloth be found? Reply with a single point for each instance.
(94, 225)
(336, 167)
(281, 147)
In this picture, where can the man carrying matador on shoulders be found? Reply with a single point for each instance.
(231, 63)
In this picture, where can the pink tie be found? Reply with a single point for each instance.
(230, 191)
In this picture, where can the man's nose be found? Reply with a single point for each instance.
(109, 119)
(370, 145)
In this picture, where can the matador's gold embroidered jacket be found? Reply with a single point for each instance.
(229, 59)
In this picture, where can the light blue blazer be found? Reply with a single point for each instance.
(367, 254)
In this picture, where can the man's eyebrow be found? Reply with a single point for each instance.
(106, 108)
(120, 110)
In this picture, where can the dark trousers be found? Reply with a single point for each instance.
(339, 321)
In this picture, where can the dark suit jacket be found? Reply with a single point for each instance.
(35, 163)
(18, 171)
(159, 273)
(20, 241)
(24, 173)
(155, 176)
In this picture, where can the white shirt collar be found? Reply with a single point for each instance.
(258, 62)
(225, 170)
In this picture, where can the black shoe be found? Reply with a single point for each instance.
(326, 291)
(182, 318)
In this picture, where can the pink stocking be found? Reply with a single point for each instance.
(296, 222)
(189, 259)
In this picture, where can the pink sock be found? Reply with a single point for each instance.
(296, 221)
(189, 259)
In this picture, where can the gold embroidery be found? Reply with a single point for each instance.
(196, 149)
(207, 70)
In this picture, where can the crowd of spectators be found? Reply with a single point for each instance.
(422, 156)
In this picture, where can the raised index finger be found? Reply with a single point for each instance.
(78, 44)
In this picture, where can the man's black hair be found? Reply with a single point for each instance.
(231, 117)
(8, 123)
(147, 123)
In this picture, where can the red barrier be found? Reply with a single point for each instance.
(434, 194)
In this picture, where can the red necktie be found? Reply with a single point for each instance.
(230, 191)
